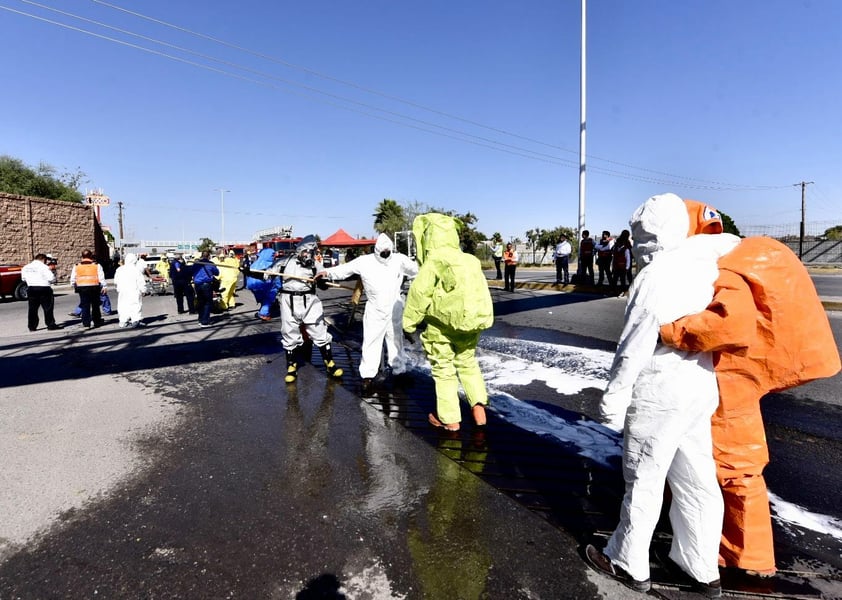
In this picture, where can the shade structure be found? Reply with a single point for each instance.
(341, 239)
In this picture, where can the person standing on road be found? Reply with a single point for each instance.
(586, 248)
(603, 257)
(768, 332)
(39, 279)
(301, 307)
(130, 286)
(662, 399)
(180, 274)
(621, 261)
(204, 273)
(450, 294)
(88, 279)
(162, 267)
(382, 274)
(229, 272)
(510, 257)
(561, 257)
(497, 254)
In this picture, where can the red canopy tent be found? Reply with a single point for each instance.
(341, 239)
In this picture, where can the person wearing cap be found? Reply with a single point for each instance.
(662, 399)
(39, 279)
(382, 274)
(768, 331)
(88, 279)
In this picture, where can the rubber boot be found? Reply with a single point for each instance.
(327, 356)
(292, 366)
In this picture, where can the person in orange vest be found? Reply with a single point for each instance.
(768, 331)
(510, 258)
(88, 279)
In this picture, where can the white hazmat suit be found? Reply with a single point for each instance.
(130, 285)
(382, 278)
(663, 398)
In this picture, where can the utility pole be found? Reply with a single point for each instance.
(222, 205)
(582, 117)
(120, 225)
(803, 185)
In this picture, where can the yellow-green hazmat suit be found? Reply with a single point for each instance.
(229, 271)
(451, 295)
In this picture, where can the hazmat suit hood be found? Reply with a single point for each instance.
(131, 259)
(383, 246)
(433, 231)
(661, 223)
(703, 218)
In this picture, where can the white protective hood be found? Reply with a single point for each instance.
(384, 242)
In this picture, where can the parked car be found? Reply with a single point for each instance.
(11, 283)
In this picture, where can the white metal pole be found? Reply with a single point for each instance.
(583, 119)
(222, 207)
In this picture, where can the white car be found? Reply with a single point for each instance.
(151, 262)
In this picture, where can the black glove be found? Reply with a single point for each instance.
(321, 283)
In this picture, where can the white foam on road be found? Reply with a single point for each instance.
(569, 370)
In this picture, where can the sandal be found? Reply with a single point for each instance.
(435, 422)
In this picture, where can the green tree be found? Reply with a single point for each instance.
(389, 217)
(41, 182)
(532, 236)
(728, 224)
(834, 233)
(206, 244)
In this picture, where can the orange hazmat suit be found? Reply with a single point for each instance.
(769, 332)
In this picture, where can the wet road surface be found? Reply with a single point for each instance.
(258, 489)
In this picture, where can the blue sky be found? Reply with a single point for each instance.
(316, 111)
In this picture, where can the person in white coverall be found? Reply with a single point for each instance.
(663, 398)
(382, 274)
(130, 284)
(300, 306)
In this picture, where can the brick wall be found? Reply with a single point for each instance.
(64, 229)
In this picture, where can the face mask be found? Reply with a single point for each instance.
(385, 254)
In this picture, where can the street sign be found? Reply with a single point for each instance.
(97, 198)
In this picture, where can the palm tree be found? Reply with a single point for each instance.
(389, 217)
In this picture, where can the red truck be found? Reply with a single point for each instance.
(11, 283)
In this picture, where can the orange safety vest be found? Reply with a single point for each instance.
(509, 257)
(87, 274)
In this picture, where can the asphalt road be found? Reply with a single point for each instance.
(173, 462)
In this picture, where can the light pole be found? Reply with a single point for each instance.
(222, 206)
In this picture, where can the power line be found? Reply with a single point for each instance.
(677, 180)
(309, 71)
